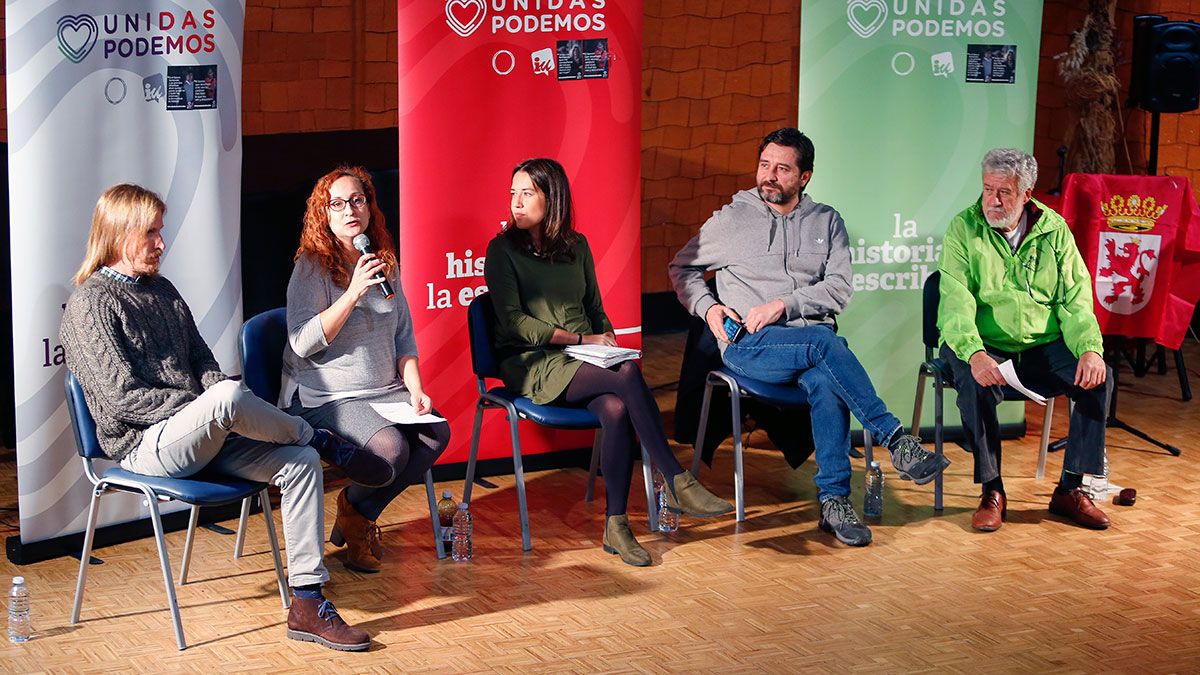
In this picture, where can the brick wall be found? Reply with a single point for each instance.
(717, 77)
(319, 65)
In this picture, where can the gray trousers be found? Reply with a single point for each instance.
(230, 430)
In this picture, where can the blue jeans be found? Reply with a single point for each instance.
(815, 358)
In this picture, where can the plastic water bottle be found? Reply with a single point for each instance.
(446, 508)
(19, 627)
(668, 520)
(873, 499)
(1099, 484)
(462, 534)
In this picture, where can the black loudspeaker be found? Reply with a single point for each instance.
(1166, 64)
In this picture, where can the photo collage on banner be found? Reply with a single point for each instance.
(902, 98)
(483, 85)
(96, 99)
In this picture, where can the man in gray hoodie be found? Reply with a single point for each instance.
(782, 264)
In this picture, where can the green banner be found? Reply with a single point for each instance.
(902, 98)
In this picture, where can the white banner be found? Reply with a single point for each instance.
(99, 93)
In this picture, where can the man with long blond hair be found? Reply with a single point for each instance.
(164, 408)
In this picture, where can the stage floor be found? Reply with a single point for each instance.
(772, 594)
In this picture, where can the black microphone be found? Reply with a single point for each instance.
(363, 243)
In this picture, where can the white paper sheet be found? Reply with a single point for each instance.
(1010, 376)
(404, 413)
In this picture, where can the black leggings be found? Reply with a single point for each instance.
(620, 398)
(410, 449)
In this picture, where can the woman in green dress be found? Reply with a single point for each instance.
(543, 286)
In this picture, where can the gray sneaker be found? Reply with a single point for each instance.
(914, 462)
(839, 518)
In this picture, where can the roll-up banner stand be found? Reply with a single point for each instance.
(902, 98)
(483, 85)
(100, 93)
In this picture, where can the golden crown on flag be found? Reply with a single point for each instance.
(1132, 215)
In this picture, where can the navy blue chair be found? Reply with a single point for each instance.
(943, 378)
(481, 321)
(783, 396)
(260, 345)
(203, 489)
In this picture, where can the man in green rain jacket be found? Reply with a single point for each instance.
(1014, 287)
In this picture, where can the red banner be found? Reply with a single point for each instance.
(1140, 237)
(484, 84)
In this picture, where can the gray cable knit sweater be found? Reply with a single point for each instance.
(135, 349)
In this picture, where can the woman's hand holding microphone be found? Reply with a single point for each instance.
(361, 281)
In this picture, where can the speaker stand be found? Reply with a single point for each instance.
(1113, 421)
(1152, 162)
(1113, 357)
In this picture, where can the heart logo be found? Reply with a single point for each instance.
(464, 16)
(76, 36)
(866, 16)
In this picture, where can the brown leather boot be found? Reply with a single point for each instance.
(618, 539)
(316, 620)
(364, 552)
(687, 495)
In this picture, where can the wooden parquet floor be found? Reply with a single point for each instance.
(774, 594)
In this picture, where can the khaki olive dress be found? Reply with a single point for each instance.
(532, 296)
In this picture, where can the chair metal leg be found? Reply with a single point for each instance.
(1044, 446)
(938, 482)
(698, 449)
(648, 479)
(187, 544)
(165, 563)
(739, 485)
(594, 468)
(265, 499)
(519, 471)
(431, 493)
(470, 478)
(86, 556)
(939, 392)
(918, 402)
(868, 448)
(240, 541)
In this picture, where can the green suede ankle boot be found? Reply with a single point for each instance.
(688, 496)
(618, 539)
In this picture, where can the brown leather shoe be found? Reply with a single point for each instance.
(993, 509)
(364, 552)
(316, 620)
(1079, 508)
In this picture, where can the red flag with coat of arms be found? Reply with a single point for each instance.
(1140, 238)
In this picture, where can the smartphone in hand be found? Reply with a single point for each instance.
(734, 330)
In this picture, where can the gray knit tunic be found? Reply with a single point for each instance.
(136, 352)
(362, 356)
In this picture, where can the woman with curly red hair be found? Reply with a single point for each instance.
(350, 347)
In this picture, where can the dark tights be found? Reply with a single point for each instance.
(410, 449)
(627, 411)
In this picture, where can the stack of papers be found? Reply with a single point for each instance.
(602, 355)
